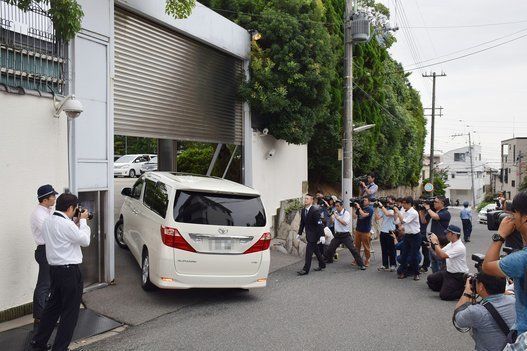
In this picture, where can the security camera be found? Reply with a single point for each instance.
(265, 131)
(70, 105)
(270, 153)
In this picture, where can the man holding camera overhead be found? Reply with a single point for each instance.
(63, 239)
(449, 282)
(491, 319)
(440, 218)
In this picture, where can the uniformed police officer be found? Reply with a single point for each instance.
(63, 239)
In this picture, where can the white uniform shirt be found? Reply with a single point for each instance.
(411, 221)
(457, 257)
(346, 217)
(38, 216)
(64, 239)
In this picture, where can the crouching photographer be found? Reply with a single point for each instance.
(490, 319)
(449, 282)
(513, 265)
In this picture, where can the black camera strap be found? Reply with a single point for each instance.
(497, 318)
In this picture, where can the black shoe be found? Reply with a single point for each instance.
(362, 268)
(302, 272)
(328, 260)
(467, 240)
(318, 269)
(34, 347)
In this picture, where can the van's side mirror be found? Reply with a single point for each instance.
(126, 192)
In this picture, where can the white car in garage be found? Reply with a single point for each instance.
(130, 165)
(482, 215)
(191, 231)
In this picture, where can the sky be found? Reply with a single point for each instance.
(486, 93)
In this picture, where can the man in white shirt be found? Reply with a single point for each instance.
(46, 196)
(342, 220)
(409, 218)
(449, 283)
(63, 239)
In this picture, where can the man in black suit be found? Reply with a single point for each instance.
(310, 221)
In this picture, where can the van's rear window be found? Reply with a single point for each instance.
(219, 209)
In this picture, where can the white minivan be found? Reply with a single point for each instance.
(192, 231)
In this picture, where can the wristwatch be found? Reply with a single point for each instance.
(496, 237)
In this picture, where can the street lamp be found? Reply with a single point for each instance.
(362, 128)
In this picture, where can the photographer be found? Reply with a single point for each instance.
(449, 282)
(63, 241)
(369, 190)
(364, 215)
(342, 219)
(440, 218)
(409, 220)
(513, 265)
(423, 225)
(387, 215)
(487, 329)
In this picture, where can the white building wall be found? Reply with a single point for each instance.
(278, 177)
(34, 148)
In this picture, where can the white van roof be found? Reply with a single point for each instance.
(198, 182)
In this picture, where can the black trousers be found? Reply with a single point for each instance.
(467, 228)
(64, 301)
(409, 255)
(41, 293)
(310, 249)
(388, 250)
(449, 285)
(342, 238)
(425, 251)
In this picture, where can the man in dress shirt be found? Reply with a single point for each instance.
(46, 201)
(63, 250)
(409, 219)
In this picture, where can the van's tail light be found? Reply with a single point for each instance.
(171, 237)
(261, 245)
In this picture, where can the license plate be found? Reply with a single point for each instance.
(221, 244)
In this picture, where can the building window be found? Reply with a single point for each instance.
(453, 175)
(459, 157)
(31, 56)
(513, 183)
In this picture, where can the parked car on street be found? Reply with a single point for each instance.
(149, 166)
(191, 231)
(482, 215)
(130, 165)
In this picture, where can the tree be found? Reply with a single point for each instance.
(523, 185)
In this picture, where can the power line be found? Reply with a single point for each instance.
(468, 25)
(472, 47)
(466, 55)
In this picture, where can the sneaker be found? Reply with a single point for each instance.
(423, 270)
(362, 268)
(467, 240)
(318, 269)
(417, 277)
(393, 268)
(382, 268)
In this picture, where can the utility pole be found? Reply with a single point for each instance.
(472, 171)
(432, 124)
(347, 141)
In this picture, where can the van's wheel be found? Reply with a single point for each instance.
(118, 231)
(132, 173)
(146, 284)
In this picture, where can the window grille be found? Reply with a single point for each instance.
(31, 56)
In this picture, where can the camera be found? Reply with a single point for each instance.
(363, 178)
(381, 202)
(356, 200)
(478, 258)
(420, 203)
(494, 219)
(81, 209)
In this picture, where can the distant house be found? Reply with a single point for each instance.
(513, 165)
(457, 163)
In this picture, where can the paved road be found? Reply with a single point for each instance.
(338, 309)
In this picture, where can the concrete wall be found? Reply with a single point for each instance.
(278, 177)
(34, 148)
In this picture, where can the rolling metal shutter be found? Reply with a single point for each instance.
(169, 86)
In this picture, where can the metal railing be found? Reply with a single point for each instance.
(31, 56)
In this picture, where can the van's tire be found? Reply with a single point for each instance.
(146, 284)
(132, 173)
(118, 232)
